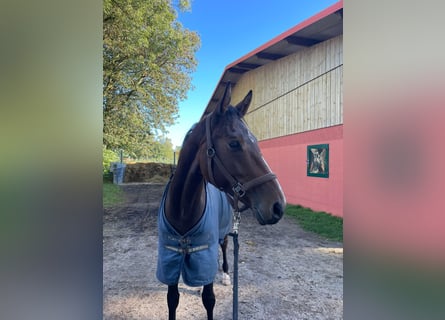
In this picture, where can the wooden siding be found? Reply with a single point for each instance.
(297, 93)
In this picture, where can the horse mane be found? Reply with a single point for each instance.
(187, 135)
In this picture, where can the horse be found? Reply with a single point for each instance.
(220, 166)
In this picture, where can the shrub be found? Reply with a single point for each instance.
(108, 156)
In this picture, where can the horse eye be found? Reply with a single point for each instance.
(234, 144)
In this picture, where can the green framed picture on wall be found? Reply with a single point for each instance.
(318, 160)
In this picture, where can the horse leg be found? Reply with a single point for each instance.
(225, 265)
(208, 300)
(172, 301)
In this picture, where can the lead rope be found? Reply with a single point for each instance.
(234, 235)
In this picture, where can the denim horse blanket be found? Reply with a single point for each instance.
(193, 255)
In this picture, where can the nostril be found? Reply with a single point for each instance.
(277, 210)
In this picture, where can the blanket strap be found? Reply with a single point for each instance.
(187, 250)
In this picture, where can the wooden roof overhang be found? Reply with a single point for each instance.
(323, 26)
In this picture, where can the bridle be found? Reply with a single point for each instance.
(239, 189)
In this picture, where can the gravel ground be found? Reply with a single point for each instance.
(284, 272)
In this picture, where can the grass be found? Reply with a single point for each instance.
(112, 194)
(321, 223)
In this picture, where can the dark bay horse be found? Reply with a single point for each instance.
(220, 162)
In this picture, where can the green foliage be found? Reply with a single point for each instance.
(322, 223)
(108, 157)
(111, 194)
(162, 151)
(148, 58)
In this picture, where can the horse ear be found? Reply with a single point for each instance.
(244, 105)
(225, 99)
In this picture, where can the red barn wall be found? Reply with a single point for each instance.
(287, 158)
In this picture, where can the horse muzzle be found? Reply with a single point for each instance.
(274, 214)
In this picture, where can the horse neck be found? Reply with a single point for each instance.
(186, 196)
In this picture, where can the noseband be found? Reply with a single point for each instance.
(239, 189)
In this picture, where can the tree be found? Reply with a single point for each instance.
(163, 150)
(148, 58)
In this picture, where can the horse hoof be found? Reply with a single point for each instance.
(226, 279)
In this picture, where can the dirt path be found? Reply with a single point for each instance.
(284, 272)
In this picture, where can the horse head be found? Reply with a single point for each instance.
(230, 159)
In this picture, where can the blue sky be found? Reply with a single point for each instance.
(229, 29)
